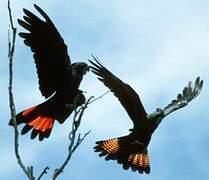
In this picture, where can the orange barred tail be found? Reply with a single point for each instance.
(140, 162)
(41, 125)
(113, 149)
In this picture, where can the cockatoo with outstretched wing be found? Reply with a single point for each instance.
(59, 79)
(131, 150)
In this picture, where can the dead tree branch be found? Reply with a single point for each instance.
(95, 99)
(11, 48)
(75, 140)
(43, 172)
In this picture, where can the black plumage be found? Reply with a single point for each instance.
(59, 79)
(131, 150)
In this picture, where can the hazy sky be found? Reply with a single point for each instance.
(155, 46)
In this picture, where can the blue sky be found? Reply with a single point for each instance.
(155, 46)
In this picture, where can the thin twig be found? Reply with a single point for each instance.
(95, 99)
(44, 172)
(78, 114)
(11, 48)
(74, 144)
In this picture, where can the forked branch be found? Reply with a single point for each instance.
(75, 138)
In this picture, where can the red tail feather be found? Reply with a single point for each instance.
(42, 123)
(35, 119)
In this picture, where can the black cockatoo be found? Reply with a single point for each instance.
(59, 80)
(131, 150)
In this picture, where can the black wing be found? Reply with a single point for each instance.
(187, 95)
(50, 52)
(126, 95)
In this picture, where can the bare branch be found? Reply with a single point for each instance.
(100, 97)
(11, 48)
(44, 172)
(75, 140)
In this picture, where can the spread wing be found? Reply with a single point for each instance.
(188, 94)
(50, 52)
(125, 94)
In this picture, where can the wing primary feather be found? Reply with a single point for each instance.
(24, 35)
(125, 93)
(27, 19)
(96, 65)
(32, 17)
(96, 70)
(188, 94)
(42, 13)
(97, 73)
(101, 79)
(97, 60)
(200, 84)
(24, 24)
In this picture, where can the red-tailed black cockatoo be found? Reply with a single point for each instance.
(59, 79)
(131, 150)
